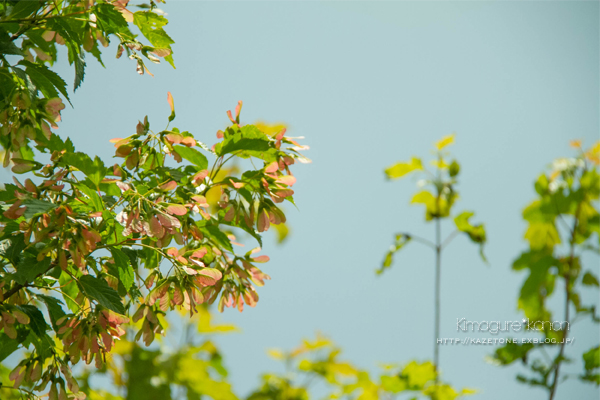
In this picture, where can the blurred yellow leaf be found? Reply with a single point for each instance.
(400, 169)
(270, 129)
(441, 164)
(593, 154)
(441, 392)
(423, 197)
(205, 324)
(542, 235)
(282, 231)
(445, 141)
(122, 347)
(343, 369)
(276, 354)
(419, 374)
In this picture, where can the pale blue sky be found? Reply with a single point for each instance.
(369, 84)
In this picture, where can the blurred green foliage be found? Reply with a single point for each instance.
(562, 224)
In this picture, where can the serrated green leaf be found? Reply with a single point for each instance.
(29, 268)
(79, 70)
(55, 143)
(193, 156)
(7, 46)
(7, 346)
(54, 308)
(47, 81)
(35, 206)
(99, 290)
(109, 19)
(93, 196)
(122, 262)
(94, 170)
(23, 9)
(247, 138)
(70, 289)
(215, 234)
(37, 322)
(11, 249)
(7, 85)
(28, 82)
(150, 24)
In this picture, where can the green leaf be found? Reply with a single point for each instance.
(538, 285)
(109, 19)
(7, 85)
(591, 359)
(79, 70)
(7, 46)
(216, 235)
(7, 346)
(54, 308)
(392, 384)
(99, 290)
(95, 199)
(589, 279)
(43, 344)
(11, 248)
(151, 258)
(542, 235)
(37, 322)
(70, 288)
(476, 233)
(400, 169)
(24, 9)
(94, 170)
(122, 262)
(418, 375)
(35, 207)
(454, 168)
(29, 268)
(193, 156)
(150, 24)
(28, 82)
(247, 138)
(47, 81)
(57, 144)
(401, 240)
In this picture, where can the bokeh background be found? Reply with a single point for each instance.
(369, 84)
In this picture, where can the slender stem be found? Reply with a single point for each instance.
(567, 278)
(420, 240)
(450, 238)
(438, 259)
(438, 262)
(36, 20)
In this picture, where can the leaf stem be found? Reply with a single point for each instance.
(438, 262)
(420, 240)
(567, 278)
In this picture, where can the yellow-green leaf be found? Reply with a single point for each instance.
(445, 141)
(400, 169)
